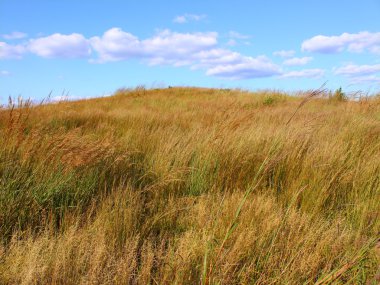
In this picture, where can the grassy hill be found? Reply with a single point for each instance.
(191, 186)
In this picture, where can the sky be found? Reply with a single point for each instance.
(91, 48)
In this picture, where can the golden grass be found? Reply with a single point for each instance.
(190, 186)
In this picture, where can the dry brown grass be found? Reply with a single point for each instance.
(190, 186)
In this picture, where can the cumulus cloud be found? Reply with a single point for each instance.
(166, 47)
(170, 46)
(197, 50)
(11, 51)
(245, 68)
(61, 46)
(216, 56)
(14, 36)
(306, 73)
(284, 53)
(188, 18)
(355, 70)
(228, 64)
(297, 61)
(351, 42)
(115, 44)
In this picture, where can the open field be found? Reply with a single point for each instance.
(191, 186)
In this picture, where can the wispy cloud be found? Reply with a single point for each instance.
(305, 73)
(236, 38)
(365, 79)
(359, 74)
(284, 53)
(352, 69)
(239, 36)
(182, 19)
(4, 73)
(351, 42)
(14, 36)
(232, 42)
(297, 61)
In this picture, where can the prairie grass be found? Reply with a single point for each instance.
(191, 186)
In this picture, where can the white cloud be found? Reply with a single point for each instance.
(306, 73)
(4, 73)
(61, 46)
(228, 64)
(375, 49)
(359, 74)
(171, 45)
(115, 45)
(365, 79)
(197, 50)
(11, 51)
(216, 57)
(180, 20)
(245, 68)
(236, 38)
(297, 61)
(68, 97)
(351, 42)
(352, 69)
(14, 36)
(232, 43)
(188, 17)
(236, 35)
(166, 47)
(284, 53)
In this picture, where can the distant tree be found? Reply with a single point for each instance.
(339, 95)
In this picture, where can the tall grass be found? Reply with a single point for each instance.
(191, 186)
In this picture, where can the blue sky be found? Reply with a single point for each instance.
(91, 48)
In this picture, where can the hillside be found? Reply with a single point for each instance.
(191, 186)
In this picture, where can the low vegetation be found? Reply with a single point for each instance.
(191, 186)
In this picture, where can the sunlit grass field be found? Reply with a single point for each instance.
(191, 186)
